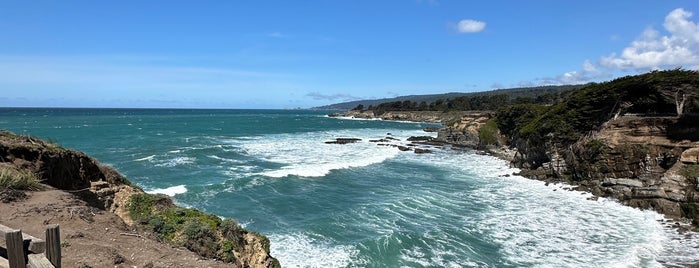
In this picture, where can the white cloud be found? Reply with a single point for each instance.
(652, 50)
(470, 26)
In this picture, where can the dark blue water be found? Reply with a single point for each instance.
(356, 205)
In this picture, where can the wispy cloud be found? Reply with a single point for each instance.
(652, 50)
(332, 97)
(470, 26)
(277, 35)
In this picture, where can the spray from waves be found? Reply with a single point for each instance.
(307, 154)
(170, 191)
(300, 250)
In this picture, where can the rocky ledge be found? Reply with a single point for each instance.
(103, 189)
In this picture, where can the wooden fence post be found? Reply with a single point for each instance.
(15, 249)
(53, 245)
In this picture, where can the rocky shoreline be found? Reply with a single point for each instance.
(83, 195)
(634, 163)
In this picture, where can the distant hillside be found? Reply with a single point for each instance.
(512, 93)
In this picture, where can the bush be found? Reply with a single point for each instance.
(200, 238)
(11, 178)
(488, 134)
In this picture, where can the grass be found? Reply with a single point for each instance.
(11, 178)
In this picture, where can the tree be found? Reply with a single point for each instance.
(680, 95)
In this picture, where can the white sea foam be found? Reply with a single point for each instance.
(177, 161)
(300, 250)
(356, 118)
(147, 158)
(308, 155)
(170, 191)
(552, 226)
(223, 159)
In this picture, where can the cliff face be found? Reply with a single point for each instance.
(104, 188)
(637, 160)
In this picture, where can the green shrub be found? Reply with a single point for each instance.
(200, 238)
(488, 134)
(11, 178)
(202, 233)
(233, 232)
(141, 206)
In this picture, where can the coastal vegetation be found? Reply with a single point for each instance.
(206, 234)
(12, 178)
(28, 163)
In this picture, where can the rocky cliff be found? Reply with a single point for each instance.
(106, 189)
(634, 159)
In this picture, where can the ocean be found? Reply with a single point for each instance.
(359, 204)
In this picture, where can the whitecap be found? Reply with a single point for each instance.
(177, 161)
(307, 154)
(170, 191)
(300, 250)
(147, 158)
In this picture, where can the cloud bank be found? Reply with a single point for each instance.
(655, 51)
(470, 26)
(652, 50)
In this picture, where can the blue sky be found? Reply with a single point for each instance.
(287, 54)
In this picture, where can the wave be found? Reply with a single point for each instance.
(307, 154)
(177, 161)
(147, 158)
(170, 191)
(300, 250)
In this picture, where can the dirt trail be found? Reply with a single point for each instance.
(92, 236)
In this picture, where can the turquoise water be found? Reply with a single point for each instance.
(357, 205)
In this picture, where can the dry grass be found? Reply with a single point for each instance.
(11, 178)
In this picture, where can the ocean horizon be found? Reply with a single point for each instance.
(358, 204)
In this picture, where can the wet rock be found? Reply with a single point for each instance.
(422, 151)
(430, 129)
(343, 141)
(419, 138)
(403, 148)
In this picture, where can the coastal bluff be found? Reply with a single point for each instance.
(634, 139)
(106, 221)
(639, 160)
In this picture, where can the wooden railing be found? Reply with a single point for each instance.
(22, 250)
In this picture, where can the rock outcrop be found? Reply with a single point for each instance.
(101, 186)
(632, 159)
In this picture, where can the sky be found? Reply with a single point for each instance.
(288, 54)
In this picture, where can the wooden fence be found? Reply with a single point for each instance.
(22, 250)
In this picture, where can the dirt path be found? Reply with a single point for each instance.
(94, 237)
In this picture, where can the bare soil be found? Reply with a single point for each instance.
(91, 237)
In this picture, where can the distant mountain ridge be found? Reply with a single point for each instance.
(512, 93)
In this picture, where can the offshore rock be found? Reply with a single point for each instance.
(343, 141)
